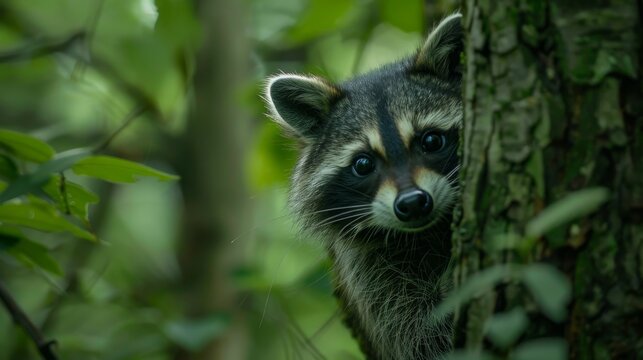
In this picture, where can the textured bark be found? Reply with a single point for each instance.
(554, 104)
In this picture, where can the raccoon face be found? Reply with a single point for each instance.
(379, 152)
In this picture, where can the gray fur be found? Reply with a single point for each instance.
(388, 278)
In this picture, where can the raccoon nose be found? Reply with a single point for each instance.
(412, 205)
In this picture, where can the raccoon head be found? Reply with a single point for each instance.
(379, 151)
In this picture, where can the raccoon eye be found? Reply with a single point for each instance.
(363, 165)
(433, 141)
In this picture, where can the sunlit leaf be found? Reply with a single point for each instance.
(71, 196)
(550, 288)
(25, 146)
(505, 328)
(40, 217)
(194, 334)
(41, 175)
(117, 170)
(28, 252)
(546, 348)
(571, 207)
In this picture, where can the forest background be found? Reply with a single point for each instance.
(115, 260)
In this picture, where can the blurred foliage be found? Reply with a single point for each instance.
(95, 265)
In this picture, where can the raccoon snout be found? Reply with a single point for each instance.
(412, 204)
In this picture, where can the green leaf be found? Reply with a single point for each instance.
(504, 241)
(571, 207)
(503, 329)
(25, 146)
(194, 334)
(476, 285)
(550, 288)
(40, 217)
(117, 170)
(8, 168)
(75, 199)
(539, 349)
(41, 175)
(28, 252)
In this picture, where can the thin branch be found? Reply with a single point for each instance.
(21, 319)
(40, 47)
(129, 119)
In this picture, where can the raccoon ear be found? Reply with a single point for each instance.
(440, 54)
(299, 103)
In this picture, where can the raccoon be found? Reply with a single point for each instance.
(376, 182)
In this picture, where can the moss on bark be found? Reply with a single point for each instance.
(553, 104)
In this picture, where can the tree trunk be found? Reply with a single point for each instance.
(212, 177)
(553, 104)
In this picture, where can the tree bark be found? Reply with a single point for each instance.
(554, 104)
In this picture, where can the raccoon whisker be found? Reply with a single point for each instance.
(368, 237)
(310, 223)
(343, 207)
(339, 208)
(352, 230)
(351, 189)
(453, 152)
(388, 232)
(350, 211)
(326, 223)
(374, 231)
(366, 196)
(452, 173)
(355, 222)
(338, 216)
